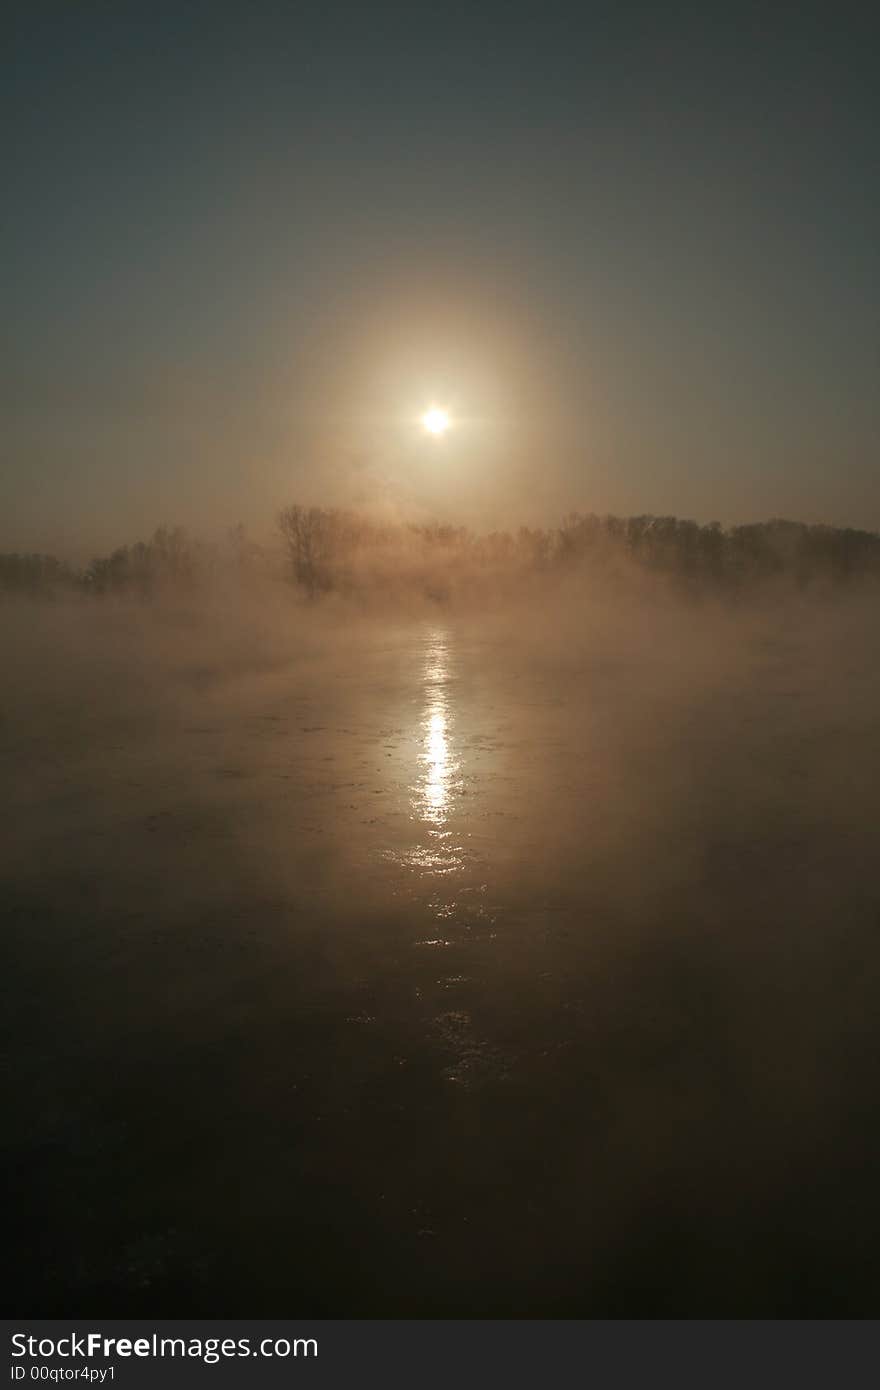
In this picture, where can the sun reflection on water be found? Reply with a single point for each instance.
(435, 779)
(436, 759)
(439, 767)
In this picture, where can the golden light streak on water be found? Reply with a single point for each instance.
(434, 790)
(436, 758)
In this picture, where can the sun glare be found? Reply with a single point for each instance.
(436, 421)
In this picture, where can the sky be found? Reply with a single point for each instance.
(633, 248)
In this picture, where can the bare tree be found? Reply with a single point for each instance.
(310, 535)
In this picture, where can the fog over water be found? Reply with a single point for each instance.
(445, 962)
(440, 660)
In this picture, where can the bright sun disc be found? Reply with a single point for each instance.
(435, 420)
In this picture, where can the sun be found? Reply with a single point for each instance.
(436, 421)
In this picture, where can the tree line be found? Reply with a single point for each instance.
(323, 550)
(330, 549)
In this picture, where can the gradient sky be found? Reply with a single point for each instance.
(633, 247)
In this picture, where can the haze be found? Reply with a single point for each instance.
(633, 249)
(439, 870)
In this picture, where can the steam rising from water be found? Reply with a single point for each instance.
(535, 954)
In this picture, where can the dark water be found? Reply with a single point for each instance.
(445, 970)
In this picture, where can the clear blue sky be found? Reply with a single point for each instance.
(633, 247)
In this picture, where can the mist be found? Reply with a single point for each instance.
(418, 937)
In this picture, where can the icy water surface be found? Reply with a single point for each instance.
(435, 968)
